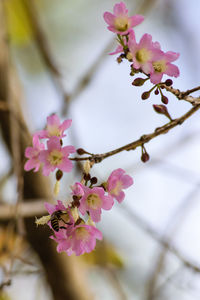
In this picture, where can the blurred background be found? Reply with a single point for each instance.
(54, 59)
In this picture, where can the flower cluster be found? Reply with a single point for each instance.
(74, 225)
(146, 56)
(51, 156)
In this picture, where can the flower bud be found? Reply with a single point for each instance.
(119, 59)
(156, 92)
(87, 177)
(162, 109)
(93, 180)
(138, 81)
(164, 99)
(145, 95)
(59, 175)
(145, 157)
(80, 151)
(168, 82)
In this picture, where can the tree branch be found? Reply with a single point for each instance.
(96, 158)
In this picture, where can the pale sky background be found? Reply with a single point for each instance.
(108, 114)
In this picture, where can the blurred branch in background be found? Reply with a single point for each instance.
(71, 283)
(172, 228)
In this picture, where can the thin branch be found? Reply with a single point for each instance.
(184, 95)
(96, 158)
(25, 209)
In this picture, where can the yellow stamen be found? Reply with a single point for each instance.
(117, 188)
(143, 55)
(55, 157)
(94, 201)
(159, 66)
(122, 23)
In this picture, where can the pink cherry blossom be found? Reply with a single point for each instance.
(120, 22)
(93, 200)
(56, 156)
(54, 127)
(117, 181)
(143, 53)
(32, 153)
(163, 66)
(82, 239)
(64, 242)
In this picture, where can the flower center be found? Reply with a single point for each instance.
(55, 157)
(93, 201)
(142, 55)
(115, 191)
(53, 130)
(82, 234)
(121, 23)
(159, 66)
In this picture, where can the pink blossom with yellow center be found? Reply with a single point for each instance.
(82, 239)
(164, 66)
(54, 127)
(117, 181)
(120, 22)
(143, 53)
(56, 156)
(93, 201)
(32, 153)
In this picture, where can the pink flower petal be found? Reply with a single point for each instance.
(120, 9)
(109, 18)
(172, 70)
(95, 214)
(136, 20)
(53, 120)
(108, 202)
(126, 181)
(171, 56)
(156, 77)
(120, 197)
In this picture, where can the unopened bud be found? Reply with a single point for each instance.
(119, 59)
(93, 180)
(145, 157)
(164, 100)
(156, 92)
(145, 95)
(59, 175)
(80, 151)
(162, 109)
(87, 177)
(87, 167)
(138, 81)
(168, 82)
